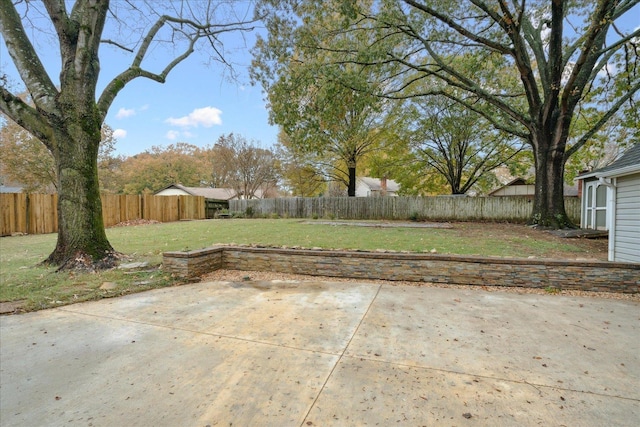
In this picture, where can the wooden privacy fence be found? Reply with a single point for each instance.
(450, 208)
(38, 213)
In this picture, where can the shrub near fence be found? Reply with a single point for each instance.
(38, 213)
(449, 208)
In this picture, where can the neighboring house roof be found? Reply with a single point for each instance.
(206, 192)
(374, 184)
(627, 164)
(515, 187)
(5, 190)
(568, 190)
(516, 181)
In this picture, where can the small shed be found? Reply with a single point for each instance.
(615, 190)
(516, 187)
(207, 192)
(216, 199)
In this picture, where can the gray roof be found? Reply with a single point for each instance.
(207, 192)
(629, 161)
(4, 189)
(212, 193)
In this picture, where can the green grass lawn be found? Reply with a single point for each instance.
(36, 287)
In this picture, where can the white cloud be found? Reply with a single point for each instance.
(207, 117)
(125, 112)
(119, 133)
(172, 134)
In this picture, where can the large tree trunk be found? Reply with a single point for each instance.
(82, 241)
(548, 203)
(351, 191)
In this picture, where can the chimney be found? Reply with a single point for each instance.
(580, 182)
(383, 185)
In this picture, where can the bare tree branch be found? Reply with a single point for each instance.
(135, 70)
(31, 70)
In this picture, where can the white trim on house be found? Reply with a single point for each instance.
(594, 205)
(622, 180)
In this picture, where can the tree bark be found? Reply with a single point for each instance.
(82, 241)
(548, 202)
(351, 191)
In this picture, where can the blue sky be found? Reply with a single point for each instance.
(197, 104)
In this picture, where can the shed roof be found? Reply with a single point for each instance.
(207, 192)
(628, 163)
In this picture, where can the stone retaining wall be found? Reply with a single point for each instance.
(450, 269)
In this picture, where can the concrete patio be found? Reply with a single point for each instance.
(312, 353)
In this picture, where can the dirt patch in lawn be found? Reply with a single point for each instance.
(584, 244)
(384, 224)
(7, 307)
(590, 248)
(135, 222)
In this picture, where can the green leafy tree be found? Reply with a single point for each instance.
(530, 68)
(68, 114)
(300, 176)
(25, 160)
(159, 167)
(326, 108)
(458, 144)
(616, 136)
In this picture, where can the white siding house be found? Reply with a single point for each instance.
(621, 179)
(374, 187)
(626, 227)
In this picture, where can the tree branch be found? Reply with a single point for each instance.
(25, 115)
(459, 28)
(109, 41)
(24, 56)
(135, 70)
(603, 120)
(594, 39)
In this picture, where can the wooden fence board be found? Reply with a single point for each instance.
(13, 212)
(38, 213)
(448, 208)
(42, 213)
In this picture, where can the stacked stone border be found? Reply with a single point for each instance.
(435, 268)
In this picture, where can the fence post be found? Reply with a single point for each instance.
(28, 211)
